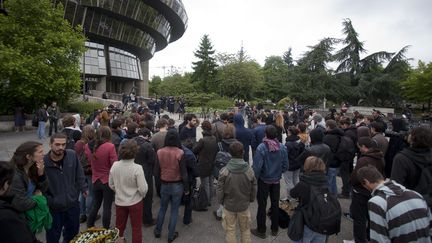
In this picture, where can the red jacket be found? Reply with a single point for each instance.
(101, 161)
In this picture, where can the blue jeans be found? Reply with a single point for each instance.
(86, 203)
(41, 130)
(66, 221)
(310, 236)
(331, 179)
(170, 192)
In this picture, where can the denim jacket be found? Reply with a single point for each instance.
(269, 166)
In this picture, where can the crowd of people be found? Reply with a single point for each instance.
(130, 158)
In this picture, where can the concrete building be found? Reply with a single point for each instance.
(123, 36)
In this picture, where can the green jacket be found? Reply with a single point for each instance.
(39, 217)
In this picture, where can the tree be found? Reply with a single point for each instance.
(287, 57)
(39, 54)
(275, 77)
(418, 86)
(175, 85)
(241, 80)
(154, 84)
(349, 55)
(205, 68)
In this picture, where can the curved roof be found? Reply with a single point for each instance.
(140, 27)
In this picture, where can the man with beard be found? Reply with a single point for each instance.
(67, 181)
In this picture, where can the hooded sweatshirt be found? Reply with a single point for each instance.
(243, 135)
(237, 186)
(373, 157)
(308, 179)
(398, 215)
(408, 164)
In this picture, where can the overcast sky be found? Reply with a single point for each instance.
(270, 27)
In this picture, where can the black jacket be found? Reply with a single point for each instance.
(206, 150)
(146, 156)
(302, 189)
(373, 157)
(332, 139)
(13, 228)
(294, 148)
(407, 166)
(319, 150)
(396, 144)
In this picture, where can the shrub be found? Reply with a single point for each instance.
(220, 104)
(82, 107)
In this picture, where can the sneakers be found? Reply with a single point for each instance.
(258, 234)
(218, 218)
(176, 234)
(153, 222)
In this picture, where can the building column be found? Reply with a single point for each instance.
(143, 85)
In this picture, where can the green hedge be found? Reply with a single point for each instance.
(81, 107)
(220, 104)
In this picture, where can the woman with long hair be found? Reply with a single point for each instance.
(279, 124)
(29, 178)
(101, 155)
(88, 134)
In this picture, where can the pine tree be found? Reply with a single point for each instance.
(205, 68)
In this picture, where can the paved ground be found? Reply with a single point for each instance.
(204, 227)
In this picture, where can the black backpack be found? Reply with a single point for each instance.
(346, 149)
(221, 160)
(70, 142)
(323, 212)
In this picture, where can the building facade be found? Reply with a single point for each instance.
(123, 36)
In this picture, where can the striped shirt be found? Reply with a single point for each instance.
(398, 215)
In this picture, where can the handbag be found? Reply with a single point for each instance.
(199, 201)
(296, 225)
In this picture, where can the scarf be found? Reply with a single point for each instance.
(272, 144)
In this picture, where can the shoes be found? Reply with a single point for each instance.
(98, 216)
(153, 222)
(201, 210)
(176, 234)
(190, 222)
(274, 232)
(83, 219)
(343, 196)
(156, 235)
(258, 234)
(348, 216)
(218, 218)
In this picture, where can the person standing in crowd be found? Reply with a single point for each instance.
(236, 189)
(243, 135)
(371, 155)
(146, 157)
(397, 214)
(188, 131)
(127, 180)
(14, 228)
(172, 171)
(190, 161)
(279, 123)
(19, 118)
(88, 134)
(158, 142)
(117, 133)
(317, 148)
(409, 163)
(53, 115)
(42, 117)
(377, 134)
(258, 132)
(206, 149)
(29, 178)
(314, 175)
(270, 161)
(332, 138)
(294, 147)
(66, 182)
(101, 155)
(72, 133)
(346, 167)
(397, 143)
(219, 126)
(303, 135)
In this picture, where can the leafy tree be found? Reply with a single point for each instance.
(39, 54)
(275, 77)
(176, 85)
(349, 55)
(241, 80)
(205, 68)
(418, 86)
(154, 84)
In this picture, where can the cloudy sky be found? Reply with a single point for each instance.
(270, 27)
